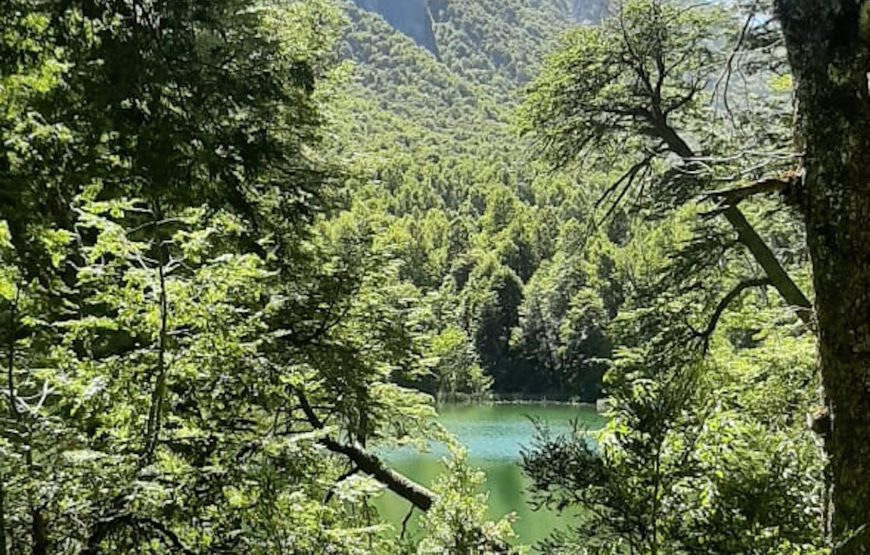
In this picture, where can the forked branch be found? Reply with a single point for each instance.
(706, 334)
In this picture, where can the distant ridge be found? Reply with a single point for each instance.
(452, 67)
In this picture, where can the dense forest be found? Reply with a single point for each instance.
(482, 231)
(247, 247)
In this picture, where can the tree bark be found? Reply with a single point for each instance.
(39, 531)
(828, 50)
(411, 491)
(3, 549)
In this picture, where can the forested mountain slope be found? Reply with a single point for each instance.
(472, 217)
(494, 44)
(536, 285)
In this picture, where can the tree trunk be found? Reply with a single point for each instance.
(3, 549)
(39, 531)
(828, 50)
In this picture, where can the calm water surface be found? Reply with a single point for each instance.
(494, 436)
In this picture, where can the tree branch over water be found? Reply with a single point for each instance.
(399, 484)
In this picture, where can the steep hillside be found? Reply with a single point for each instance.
(497, 43)
(450, 188)
(416, 18)
(453, 67)
(402, 96)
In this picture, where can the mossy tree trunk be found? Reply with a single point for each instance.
(828, 49)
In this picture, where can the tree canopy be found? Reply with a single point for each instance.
(248, 248)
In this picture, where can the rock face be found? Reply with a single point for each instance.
(411, 17)
(414, 17)
(589, 11)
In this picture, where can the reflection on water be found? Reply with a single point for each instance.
(494, 435)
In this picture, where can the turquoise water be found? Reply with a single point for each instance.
(495, 435)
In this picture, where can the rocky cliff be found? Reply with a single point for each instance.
(491, 29)
(411, 17)
(589, 11)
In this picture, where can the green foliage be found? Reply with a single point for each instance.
(707, 449)
(563, 320)
(496, 43)
(457, 523)
(599, 81)
(457, 369)
(710, 456)
(198, 344)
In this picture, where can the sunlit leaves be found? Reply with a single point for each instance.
(457, 522)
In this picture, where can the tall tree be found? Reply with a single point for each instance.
(638, 88)
(829, 51)
(650, 85)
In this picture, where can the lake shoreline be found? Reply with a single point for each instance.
(509, 399)
(495, 434)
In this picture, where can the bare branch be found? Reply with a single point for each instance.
(787, 288)
(628, 177)
(725, 77)
(353, 470)
(733, 197)
(411, 491)
(707, 333)
(405, 522)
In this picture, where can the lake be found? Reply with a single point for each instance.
(494, 435)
